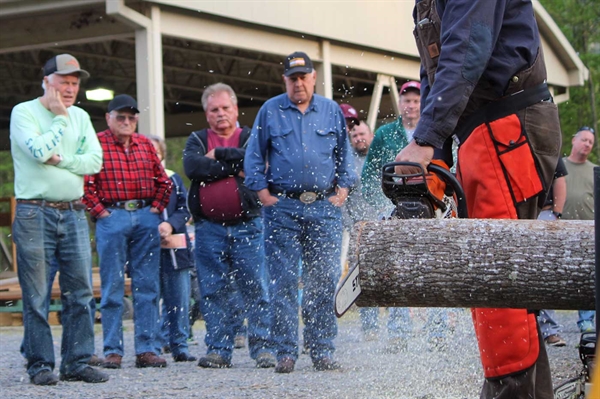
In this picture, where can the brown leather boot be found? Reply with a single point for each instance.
(112, 361)
(149, 359)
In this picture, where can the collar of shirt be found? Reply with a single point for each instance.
(287, 103)
(133, 140)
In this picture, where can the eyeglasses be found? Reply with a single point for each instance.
(586, 128)
(122, 118)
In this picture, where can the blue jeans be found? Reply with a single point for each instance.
(51, 277)
(548, 326)
(129, 237)
(313, 233)
(586, 320)
(42, 234)
(223, 253)
(399, 324)
(239, 312)
(174, 318)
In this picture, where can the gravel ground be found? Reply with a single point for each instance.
(368, 370)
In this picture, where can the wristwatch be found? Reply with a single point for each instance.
(557, 214)
(421, 142)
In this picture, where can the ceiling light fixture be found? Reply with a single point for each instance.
(99, 94)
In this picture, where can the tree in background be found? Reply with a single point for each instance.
(579, 21)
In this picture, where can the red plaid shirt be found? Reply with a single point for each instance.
(127, 174)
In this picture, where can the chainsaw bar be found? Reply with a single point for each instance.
(347, 292)
(349, 288)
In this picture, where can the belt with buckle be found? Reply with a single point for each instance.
(306, 197)
(130, 205)
(76, 205)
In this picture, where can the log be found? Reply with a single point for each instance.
(488, 263)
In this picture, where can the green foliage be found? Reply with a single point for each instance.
(6, 174)
(579, 21)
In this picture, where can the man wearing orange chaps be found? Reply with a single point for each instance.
(483, 87)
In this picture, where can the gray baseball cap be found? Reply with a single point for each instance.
(64, 64)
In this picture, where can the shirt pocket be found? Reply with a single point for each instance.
(326, 140)
(281, 137)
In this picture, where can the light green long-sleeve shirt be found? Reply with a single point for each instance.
(389, 140)
(35, 135)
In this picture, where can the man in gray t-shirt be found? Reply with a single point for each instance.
(580, 195)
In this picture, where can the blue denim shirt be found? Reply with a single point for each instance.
(487, 40)
(304, 152)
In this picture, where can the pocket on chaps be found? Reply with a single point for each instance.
(516, 157)
(498, 169)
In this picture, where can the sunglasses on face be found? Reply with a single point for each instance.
(122, 118)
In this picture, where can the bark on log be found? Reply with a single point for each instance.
(486, 263)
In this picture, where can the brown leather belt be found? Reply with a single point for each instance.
(76, 205)
(130, 205)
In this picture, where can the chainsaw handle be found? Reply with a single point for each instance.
(444, 174)
(449, 178)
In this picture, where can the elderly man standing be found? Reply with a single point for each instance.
(126, 199)
(229, 232)
(299, 162)
(53, 145)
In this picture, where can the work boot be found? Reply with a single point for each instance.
(285, 365)
(44, 377)
(95, 361)
(213, 361)
(87, 374)
(326, 364)
(149, 359)
(265, 360)
(112, 361)
(555, 340)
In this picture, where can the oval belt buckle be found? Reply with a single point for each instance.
(131, 205)
(308, 197)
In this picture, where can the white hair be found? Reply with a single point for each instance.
(50, 78)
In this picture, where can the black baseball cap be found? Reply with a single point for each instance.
(123, 101)
(297, 62)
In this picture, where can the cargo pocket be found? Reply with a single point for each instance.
(516, 157)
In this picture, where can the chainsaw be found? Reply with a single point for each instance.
(412, 199)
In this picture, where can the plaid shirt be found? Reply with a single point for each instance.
(127, 174)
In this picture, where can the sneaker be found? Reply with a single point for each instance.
(44, 377)
(213, 361)
(555, 340)
(87, 374)
(239, 342)
(285, 365)
(149, 359)
(326, 364)
(265, 360)
(396, 345)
